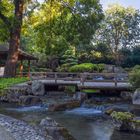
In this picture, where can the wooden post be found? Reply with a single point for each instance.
(55, 77)
(29, 68)
(115, 80)
(21, 68)
(82, 77)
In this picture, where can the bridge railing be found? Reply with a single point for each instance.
(81, 77)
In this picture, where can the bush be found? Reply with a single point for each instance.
(134, 77)
(63, 68)
(101, 67)
(87, 67)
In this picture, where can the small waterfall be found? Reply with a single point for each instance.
(84, 111)
(99, 107)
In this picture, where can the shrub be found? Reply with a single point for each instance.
(134, 77)
(87, 67)
(101, 67)
(63, 68)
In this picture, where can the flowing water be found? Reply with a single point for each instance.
(83, 123)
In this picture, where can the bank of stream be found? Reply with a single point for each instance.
(83, 123)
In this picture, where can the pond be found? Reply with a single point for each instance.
(83, 123)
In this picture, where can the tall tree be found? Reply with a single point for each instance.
(65, 23)
(120, 29)
(14, 28)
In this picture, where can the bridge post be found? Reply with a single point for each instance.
(115, 80)
(82, 78)
(55, 75)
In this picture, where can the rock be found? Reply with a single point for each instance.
(109, 110)
(38, 88)
(127, 96)
(29, 100)
(122, 125)
(116, 135)
(64, 106)
(135, 109)
(55, 130)
(11, 98)
(13, 94)
(136, 97)
(122, 121)
(136, 125)
(80, 96)
(125, 121)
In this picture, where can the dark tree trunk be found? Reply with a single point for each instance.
(10, 67)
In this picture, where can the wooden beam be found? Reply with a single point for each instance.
(29, 68)
(21, 68)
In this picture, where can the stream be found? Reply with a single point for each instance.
(83, 123)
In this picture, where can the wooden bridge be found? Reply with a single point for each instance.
(115, 81)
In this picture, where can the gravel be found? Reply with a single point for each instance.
(20, 130)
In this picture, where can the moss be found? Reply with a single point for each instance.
(90, 90)
(122, 116)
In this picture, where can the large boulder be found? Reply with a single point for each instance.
(64, 106)
(29, 100)
(122, 120)
(38, 88)
(125, 121)
(136, 125)
(126, 96)
(135, 109)
(136, 97)
(55, 130)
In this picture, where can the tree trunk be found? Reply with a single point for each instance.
(10, 67)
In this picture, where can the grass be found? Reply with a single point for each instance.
(90, 90)
(5, 83)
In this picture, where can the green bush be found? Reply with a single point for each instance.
(87, 67)
(134, 77)
(101, 67)
(63, 68)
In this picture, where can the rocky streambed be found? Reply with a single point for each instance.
(83, 123)
(35, 111)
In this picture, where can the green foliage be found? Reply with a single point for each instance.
(70, 89)
(100, 67)
(8, 82)
(6, 7)
(57, 25)
(90, 90)
(86, 67)
(122, 116)
(63, 68)
(69, 58)
(118, 31)
(134, 77)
